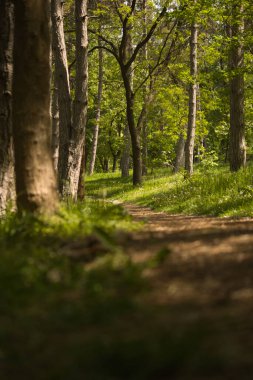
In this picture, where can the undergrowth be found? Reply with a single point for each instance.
(67, 316)
(212, 191)
(62, 318)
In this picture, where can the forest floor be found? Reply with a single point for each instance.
(203, 287)
(98, 294)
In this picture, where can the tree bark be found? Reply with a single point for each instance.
(55, 127)
(35, 177)
(63, 86)
(114, 162)
(180, 154)
(143, 117)
(125, 159)
(135, 137)
(191, 130)
(127, 76)
(80, 103)
(7, 188)
(237, 146)
(142, 125)
(98, 111)
(81, 183)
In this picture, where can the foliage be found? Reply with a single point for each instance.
(215, 191)
(168, 111)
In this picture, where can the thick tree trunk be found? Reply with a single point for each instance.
(7, 188)
(98, 111)
(80, 103)
(35, 177)
(180, 154)
(237, 147)
(190, 141)
(63, 86)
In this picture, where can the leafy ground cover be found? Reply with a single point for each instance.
(214, 191)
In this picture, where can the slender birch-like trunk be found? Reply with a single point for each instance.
(143, 127)
(191, 130)
(63, 87)
(125, 159)
(7, 188)
(237, 146)
(55, 127)
(98, 111)
(180, 154)
(80, 103)
(35, 177)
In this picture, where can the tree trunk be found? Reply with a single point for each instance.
(106, 165)
(127, 76)
(143, 127)
(134, 133)
(125, 159)
(115, 161)
(81, 184)
(55, 127)
(180, 154)
(190, 141)
(80, 103)
(62, 83)
(35, 177)
(7, 189)
(98, 111)
(237, 151)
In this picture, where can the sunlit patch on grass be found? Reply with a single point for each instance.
(216, 191)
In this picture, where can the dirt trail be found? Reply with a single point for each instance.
(210, 260)
(205, 280)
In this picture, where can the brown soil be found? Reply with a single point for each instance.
(212, 257)
(207, 276)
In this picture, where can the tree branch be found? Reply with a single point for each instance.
(159, 62)
(113, 49)
(104, 48)
(146, 38)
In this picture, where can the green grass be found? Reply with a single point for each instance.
(48, 297)
(62, 318)
(215, 192)
(91, 317)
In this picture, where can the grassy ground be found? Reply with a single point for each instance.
(68, 316)
(62, 281)
(72, 310)
(215, 192)
(74, 305)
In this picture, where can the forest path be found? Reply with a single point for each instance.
(202, 290)
(210, 259)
